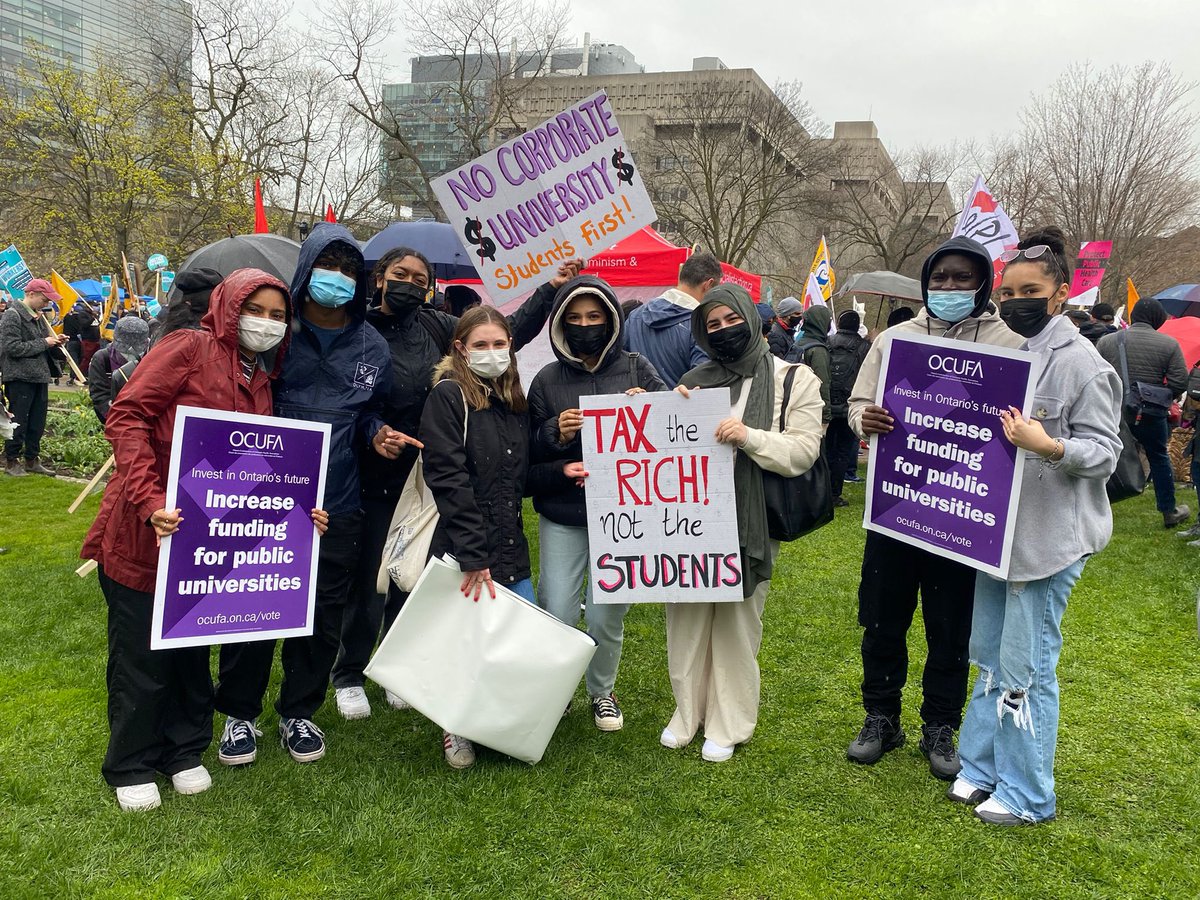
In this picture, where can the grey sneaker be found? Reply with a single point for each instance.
(1177, 516)
(14, 468)
(937, 743)
(1193, 532)
(879, 734)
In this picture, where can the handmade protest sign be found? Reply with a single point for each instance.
(662, 516)
(566, 188)
(243, 564)
(1089, 268)
(945, 478)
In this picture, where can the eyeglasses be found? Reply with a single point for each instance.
(1031, 253)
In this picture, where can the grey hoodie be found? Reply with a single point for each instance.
(1063, 512)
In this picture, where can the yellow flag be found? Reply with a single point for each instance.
(1131, 298)
(111, 312)
(823, 271)
(69, 298)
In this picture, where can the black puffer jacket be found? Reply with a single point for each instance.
(780, 340)
(477, 484)
(418, 341)
(559, 386)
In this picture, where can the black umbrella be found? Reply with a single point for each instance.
(272, 253)
(436, 240)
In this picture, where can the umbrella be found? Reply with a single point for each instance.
(886, 284)
(436, 240)
(1187, 331)
(272, 253)
(1181, 300)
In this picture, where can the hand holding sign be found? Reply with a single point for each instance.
(165, 522)
(876, 420)
(577, 471)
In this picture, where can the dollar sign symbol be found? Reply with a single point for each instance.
(474, 233)
(624, 169)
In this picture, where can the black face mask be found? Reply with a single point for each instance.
(790, 324)
(1026, 316)
(586, 340)
(730, 342)
(403, 296)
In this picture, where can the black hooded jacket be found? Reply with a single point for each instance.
(417, 342)
(559, 385)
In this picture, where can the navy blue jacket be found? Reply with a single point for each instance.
(661, 331)
(345, 386)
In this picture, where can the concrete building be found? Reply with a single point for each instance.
(81, 33)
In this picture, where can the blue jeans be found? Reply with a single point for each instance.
(562, 571)
(1152, 433)
(524, 590)
(1007, 743)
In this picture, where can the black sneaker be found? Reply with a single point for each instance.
(238, 745)
(879, 735)
(302, 739)
(937, 743)
(839, 502)
(607, 713)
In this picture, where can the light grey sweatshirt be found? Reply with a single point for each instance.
(1063, 511)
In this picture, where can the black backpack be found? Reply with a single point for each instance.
(1193, 384)
(844, 362)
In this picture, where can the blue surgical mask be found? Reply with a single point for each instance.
(330, 288)
(951, 306)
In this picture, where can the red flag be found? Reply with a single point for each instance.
(260, 212)
(329, 216)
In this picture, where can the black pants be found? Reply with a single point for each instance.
(368, 610)
(160, 702)
(841, 445)
(245, 669)
(28, 403)
(892, 574)
(1154, 433)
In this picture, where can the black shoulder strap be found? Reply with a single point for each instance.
(788, 380)
(432, 323)
(633, 368)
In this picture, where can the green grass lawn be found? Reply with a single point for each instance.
(615, 815)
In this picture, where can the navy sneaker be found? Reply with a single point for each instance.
(302, 739)
(238, 745)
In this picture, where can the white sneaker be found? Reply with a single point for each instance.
(395, 701)
(136, 797)
(962, 791)
(714, 752)
(191, 781)
(352, 702)
(670, 741)
(459, 752)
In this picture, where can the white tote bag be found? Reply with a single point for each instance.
(411, 532)
(498, 672)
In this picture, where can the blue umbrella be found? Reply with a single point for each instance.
(437, 240)
(1181, 300)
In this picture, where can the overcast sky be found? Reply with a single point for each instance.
(926, 71)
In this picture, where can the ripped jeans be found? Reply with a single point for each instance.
(1010, 731)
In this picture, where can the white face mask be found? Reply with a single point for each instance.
(260, 335)
(489, 363)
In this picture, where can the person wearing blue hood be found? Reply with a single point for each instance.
(956, 282)
(337, 370)
(661, 330)
(585, 332)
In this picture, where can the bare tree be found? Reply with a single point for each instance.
(1117, 150)
(490, 52)
(887, 217)
(728, 163)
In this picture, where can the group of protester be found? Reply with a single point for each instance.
(368, 354)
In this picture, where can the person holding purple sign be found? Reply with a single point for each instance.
(160, 702)
(335, 370)
(1072, 442)
(956, 281)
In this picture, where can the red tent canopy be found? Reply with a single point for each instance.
(644, 259)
